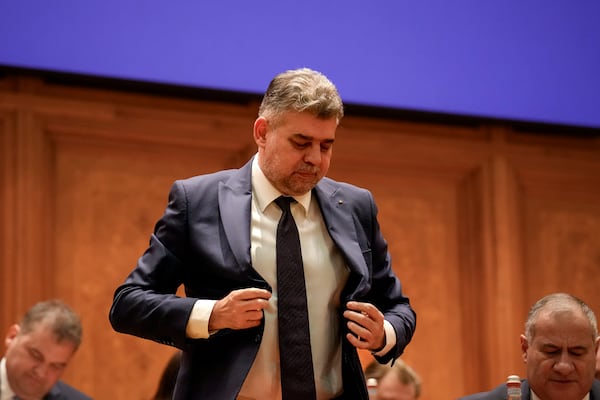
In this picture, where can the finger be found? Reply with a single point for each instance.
(252, 293)
(366, 309)
(254, 315)
(359, 331)
(252, 324)
(360, 306)
(356, 341)
(361, 318)
(254, 305)
(365, 330)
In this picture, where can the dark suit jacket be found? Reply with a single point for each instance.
(203, 242)
(499, 393)
(62, 391)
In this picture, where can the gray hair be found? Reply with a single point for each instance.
(301, 90)
(58, 316)
(559, 302)
(403, 372)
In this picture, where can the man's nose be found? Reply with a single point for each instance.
(41, 370)
(564, 365)
(313, 155)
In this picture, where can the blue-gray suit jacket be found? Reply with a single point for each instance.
(499, 393)
(203, 242)
(62, 391)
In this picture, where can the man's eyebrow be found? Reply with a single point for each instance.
(307, 137)
(60, 364)
(33, 349)
(549, 346)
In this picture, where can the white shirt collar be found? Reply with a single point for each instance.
(535, 397)
(265, 192)
(5, 390)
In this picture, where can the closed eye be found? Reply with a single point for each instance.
(326, 146)
(301, 145)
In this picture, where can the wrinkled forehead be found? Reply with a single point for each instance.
(42, 337)
(564, 326)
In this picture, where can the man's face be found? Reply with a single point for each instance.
(35, 360)
(295, 153)
(390, 388)
(561, 357)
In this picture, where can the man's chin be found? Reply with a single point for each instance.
(34, 391)
(566, 390)
(303, 184)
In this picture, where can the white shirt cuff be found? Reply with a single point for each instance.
(197, 326)
(390, 338)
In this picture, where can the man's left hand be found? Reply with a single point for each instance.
(365, 323)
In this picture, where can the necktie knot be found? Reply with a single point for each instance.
(284, 202)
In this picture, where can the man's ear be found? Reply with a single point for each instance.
(524, 347)
(11, 334)
(261, 126)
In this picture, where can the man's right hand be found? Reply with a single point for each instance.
(240, 309)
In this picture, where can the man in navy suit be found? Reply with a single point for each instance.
(559, 349)
(217, 238)
(38, 350)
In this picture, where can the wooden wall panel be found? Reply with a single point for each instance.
(417, 180)
(7, 216)
(480, 220)
(25, 196)
(564, 249)
(112, 185)
(6, 228)
(563, 226)
(533, 179)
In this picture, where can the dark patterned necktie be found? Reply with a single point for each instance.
(297, 376)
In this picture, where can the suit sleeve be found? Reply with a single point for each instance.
(146, 304)
(386, 289)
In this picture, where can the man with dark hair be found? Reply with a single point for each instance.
(39, 349)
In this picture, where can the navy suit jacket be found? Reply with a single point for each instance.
(203, 242)
(499, 393)
(62, 391)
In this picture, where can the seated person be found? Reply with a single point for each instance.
(38, 350)
(393, 382)
(559, 349)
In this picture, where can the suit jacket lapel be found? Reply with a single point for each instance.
(235, 197)
(339, 220)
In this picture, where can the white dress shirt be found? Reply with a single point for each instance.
(534, 396)
(6, 392)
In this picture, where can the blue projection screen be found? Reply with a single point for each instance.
(532, 61)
